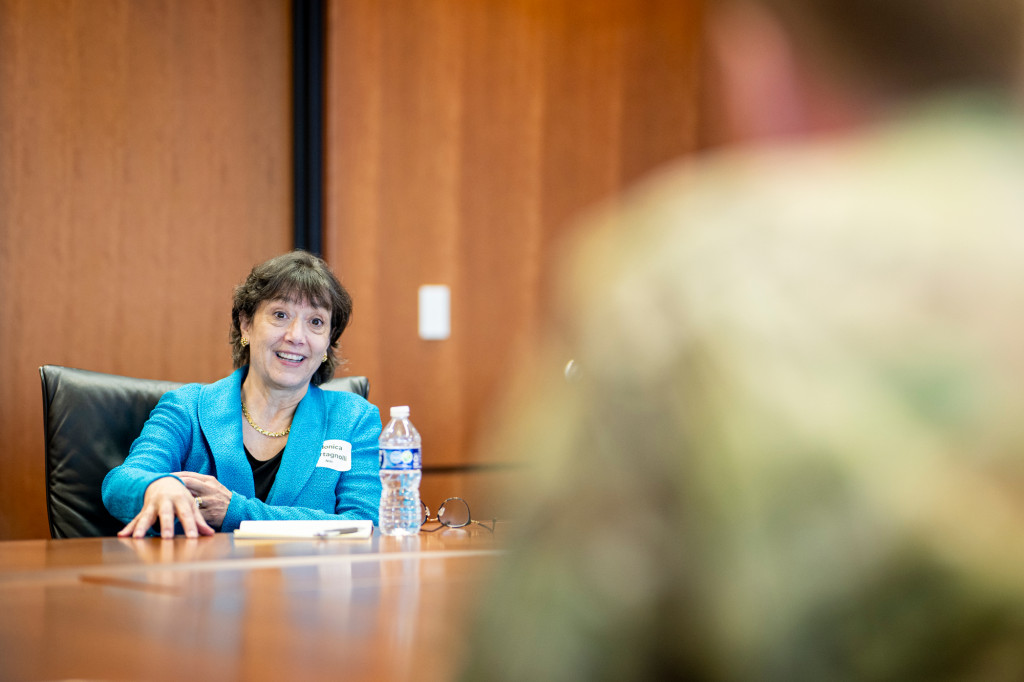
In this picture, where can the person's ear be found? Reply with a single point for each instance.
(758, 81)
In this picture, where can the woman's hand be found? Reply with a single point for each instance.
(215, 496)
(166, 499)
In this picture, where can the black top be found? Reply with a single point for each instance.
(263, 473)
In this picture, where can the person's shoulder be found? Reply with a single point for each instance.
(347, 410)
(185, 392)
(195, 391)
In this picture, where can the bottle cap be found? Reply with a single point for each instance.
(400, 411)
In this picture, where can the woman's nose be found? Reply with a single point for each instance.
(294, 331)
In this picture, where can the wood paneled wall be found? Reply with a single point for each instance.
(145, 165)
(461, 138)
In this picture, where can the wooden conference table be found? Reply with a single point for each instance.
(221, 608)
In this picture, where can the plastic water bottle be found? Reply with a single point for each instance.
(400, 463)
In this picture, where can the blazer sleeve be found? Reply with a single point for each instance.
(160, 449)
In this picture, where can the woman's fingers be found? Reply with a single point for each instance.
(167, 501)
(184, 510)
(167, 513)
(194, 480)
(195, 485)
(192, 521)
(127, 530)
(143, 521)
(202, 526)
(216, 498)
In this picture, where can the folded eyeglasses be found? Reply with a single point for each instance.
(453, 513)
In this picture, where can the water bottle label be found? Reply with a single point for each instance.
(400, 458)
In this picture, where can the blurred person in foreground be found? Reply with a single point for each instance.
(265, 442)
(795, 446)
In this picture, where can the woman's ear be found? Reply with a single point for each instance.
(760, 87)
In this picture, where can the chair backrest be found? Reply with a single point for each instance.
(90, 420)
(360, 385)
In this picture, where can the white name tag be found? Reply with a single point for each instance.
(336, 454)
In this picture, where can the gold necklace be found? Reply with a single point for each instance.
(271, 434)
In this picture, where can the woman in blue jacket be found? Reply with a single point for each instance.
(264, 442)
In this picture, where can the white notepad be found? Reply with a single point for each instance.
(330, 530)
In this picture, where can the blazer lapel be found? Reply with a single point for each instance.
(309, 426)
(220, 420)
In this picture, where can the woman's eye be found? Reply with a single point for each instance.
(279, 315)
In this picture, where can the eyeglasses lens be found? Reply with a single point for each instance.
(454, 513)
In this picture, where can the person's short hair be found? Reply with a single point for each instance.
(912, 45)
(297, 276)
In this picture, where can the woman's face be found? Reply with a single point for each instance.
(287, 340)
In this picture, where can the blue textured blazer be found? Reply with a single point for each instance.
(198, 427)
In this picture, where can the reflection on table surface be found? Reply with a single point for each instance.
(35, 555)
(216, 607)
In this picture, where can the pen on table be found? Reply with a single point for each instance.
(336, 531)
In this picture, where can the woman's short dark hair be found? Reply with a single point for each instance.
(296, 276)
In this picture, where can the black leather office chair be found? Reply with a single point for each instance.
(90, 420)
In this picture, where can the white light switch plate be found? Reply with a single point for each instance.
(435, 312)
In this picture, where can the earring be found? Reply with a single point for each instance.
(324, 358)
(244, 342)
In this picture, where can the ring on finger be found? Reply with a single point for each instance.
(199, 502)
